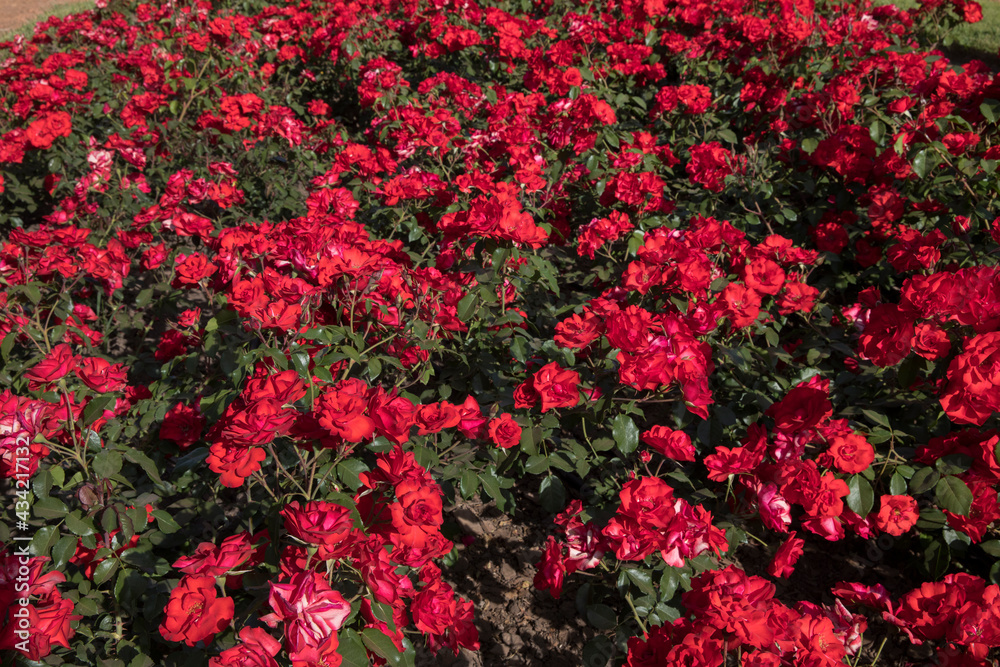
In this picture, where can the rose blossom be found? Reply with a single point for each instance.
(195, 612)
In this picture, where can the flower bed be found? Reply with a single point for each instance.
(715, 283)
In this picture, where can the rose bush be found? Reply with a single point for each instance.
(283, 283)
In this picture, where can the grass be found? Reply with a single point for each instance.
(970, 41)
(28, 29)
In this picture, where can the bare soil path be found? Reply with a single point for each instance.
(16, 13)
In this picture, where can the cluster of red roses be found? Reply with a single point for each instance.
(429, 148)
(399, 506)
(38, 616)
(732, 610)
(657, 350)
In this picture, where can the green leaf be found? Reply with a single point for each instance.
(643, 579)
(552, 494)
(374, 368)
(937, 557)
(165, 522)
(41, 483)
(923, 480)
(809, 145)
(878, 418)
(43, 541)
(953, 495)
(63, 551)
(992, 547)
(104, 570)
(468, 484)
(626, 434)
(349, 471)
(191, 460)
(95, 408)
(379, 644)
(144, 462)
(7, 344)
(492, 486)
(352, 650)
(466, 306)
(921, 164)
(897, 485)
(861, 498)
(601, 616)
(771, 336)
(877, 131)
(953, 464)
(49, 508)
(107, 463)
(80, 525)
(669, 582)
(537, 464)
(989, 111)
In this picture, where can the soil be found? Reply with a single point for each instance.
(519, 626)
(15, 14)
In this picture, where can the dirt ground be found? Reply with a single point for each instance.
(16, 13)
(519, 626)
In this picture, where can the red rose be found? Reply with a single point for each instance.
(195, 612)
(578, 331)
(234, 463)
(213, 561)
(190, 270)
(101, 375)
(257, 649)
(742, 304)
(709, 165)
(783, 563)
(897, 514)
(551, 569)
(571, 77)
(257, 424)
(930, 341)
(852, 453)
(504, 431)
(342, 410)
(42, 132)
(326, 525)
(803, 407)
(447, 620)
(764, 276)
(556, 387)
(797, 297)
(472, 420)
(629, 330)
(850, 152)
(887, 336)
(50, 624)
(392, 415)
(248, 297)
(154, 256)
(436, 417)
(673, 444)
(183, 424)
(54, 365)
(525, 395)
(417, 513)
(830, 237)
(311, 611)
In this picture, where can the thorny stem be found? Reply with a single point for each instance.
(635, 614)
(879, 652)
(277, 461)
